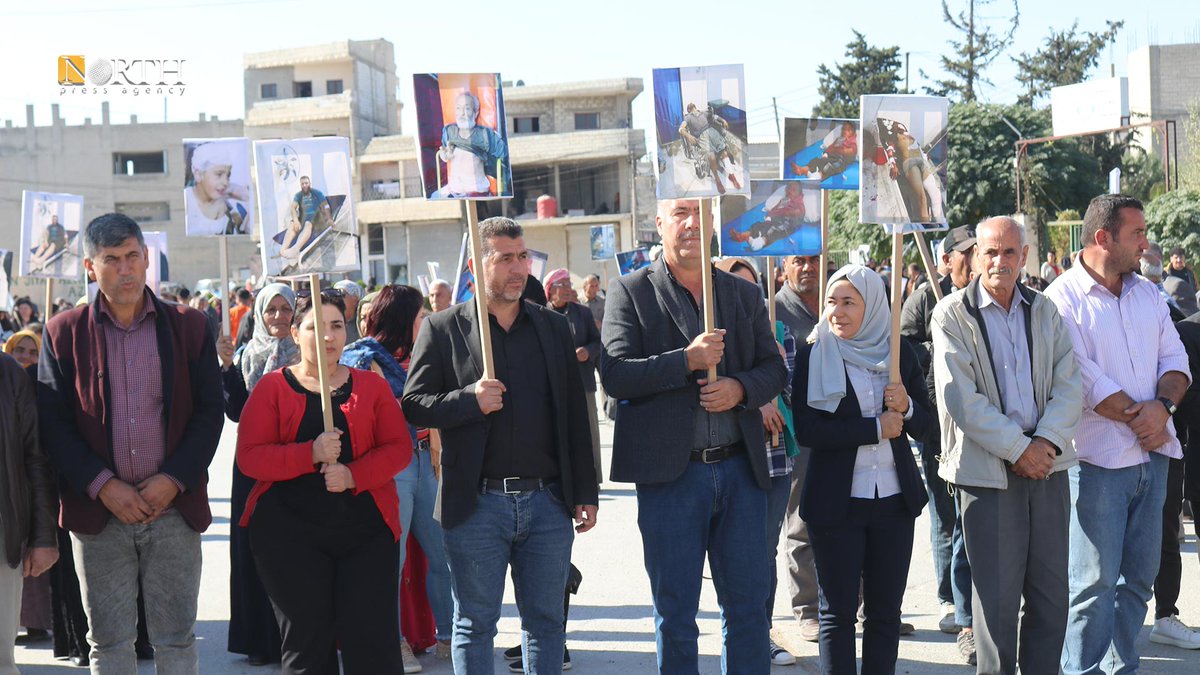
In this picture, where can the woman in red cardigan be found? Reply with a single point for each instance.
(323, 515)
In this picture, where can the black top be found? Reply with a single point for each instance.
(520, 439)
(306, 496)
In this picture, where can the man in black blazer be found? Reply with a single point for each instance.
(516, 454)
(695, 448)
(561, 298)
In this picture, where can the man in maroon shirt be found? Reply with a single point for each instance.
(131, 413)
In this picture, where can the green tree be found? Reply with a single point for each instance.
(867, 70)
(1174, 220)
(846, 233)
(1066, 58)
(978, 47)
(1189, 163)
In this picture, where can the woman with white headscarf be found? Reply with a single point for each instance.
(253, 630)
(862, 493)
(215, 204)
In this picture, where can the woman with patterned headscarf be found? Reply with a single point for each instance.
(253, 630)
(862, 493)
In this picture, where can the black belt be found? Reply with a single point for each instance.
(423, 445)
(513, 485)
(719, 453)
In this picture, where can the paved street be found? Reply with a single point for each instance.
(612, 627)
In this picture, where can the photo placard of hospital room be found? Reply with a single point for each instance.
(217, 198)
(631, 261)
(462, 136)
(50, 244)
(779, 218)
(821, 150)
(306, 206)
(903, 161)
(700, 124)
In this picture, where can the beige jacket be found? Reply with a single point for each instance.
(977, 437)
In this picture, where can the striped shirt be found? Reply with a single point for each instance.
(1124, 343)
(135, 397)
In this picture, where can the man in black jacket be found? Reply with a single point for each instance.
(586, 334)
(950, 565)
(516, 454)
(694, 447)
(29, 503)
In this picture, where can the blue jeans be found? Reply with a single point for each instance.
(532, 532)
(960, 573)
(941, 521)
(1116, 539)
(777, 501)
(710, 509)
(417, 488)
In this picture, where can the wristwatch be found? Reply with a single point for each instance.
(1168, 404)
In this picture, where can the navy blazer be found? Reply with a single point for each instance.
(835, 438)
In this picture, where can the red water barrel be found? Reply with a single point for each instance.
(547, 207)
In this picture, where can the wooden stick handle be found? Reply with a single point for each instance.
(706, 278)
(930, 268)
(823, 273)
(226, 329)
(771, 292)
(314, 286)
(481, 310)
(48, 308)
(897, 292)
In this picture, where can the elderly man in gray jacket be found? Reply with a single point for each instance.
(1009, 397)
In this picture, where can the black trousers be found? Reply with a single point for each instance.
(331, 587)
(872, 545)
(1170, 565)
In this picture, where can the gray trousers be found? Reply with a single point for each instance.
(802, 571)
(10, 608)
(166, 554)
(594, 423)
(1017, 544)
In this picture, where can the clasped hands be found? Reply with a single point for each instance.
(704, 352)
(1149, 423)
(327, 448)
(895, 407)
(142, 503)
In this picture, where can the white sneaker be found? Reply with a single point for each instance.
(781, 656)
(1169, 630)
(411, 664)
(948, 624)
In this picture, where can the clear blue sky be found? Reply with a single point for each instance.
(780, 43)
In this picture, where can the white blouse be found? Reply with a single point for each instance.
(874, 466)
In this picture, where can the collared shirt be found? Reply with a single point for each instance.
(596, 304)
(874, 465)
(520, 439)
(709, 430)
(791, 310)
(1124, 343)
(1010, 357)
(135, 390)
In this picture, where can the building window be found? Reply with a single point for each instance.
(145, 212)
(137, 163)
(333, 87)
(375, 240)
(585, 121)
(526, 125)
(268, 90)
(302, 89)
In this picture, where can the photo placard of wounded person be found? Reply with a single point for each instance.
(821, 150)
(903, 161)
(50, 243)
(779, 218)
(217, 197)
(461, 136)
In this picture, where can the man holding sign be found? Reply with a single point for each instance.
(516, 454)
(697, 486)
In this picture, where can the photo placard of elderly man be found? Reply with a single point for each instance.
(1134, 370)
(1009, 397)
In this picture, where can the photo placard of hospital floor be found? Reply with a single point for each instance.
(821, 150)
(780, 218)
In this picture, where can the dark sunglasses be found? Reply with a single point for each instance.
(327, 293)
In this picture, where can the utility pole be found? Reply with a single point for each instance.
(906, 89)
(778, 132)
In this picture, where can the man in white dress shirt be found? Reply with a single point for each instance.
(1135, 371)
(1008, 394)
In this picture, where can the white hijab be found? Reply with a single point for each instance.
(869, 348)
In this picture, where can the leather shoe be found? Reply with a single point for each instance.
(82, 661)
(144, 652)
(33, 636)
(257, 660)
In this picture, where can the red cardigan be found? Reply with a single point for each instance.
(267, 451)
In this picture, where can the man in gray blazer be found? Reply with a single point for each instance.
(516, 454)
(694, 448)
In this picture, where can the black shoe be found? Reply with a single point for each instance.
(513, 654)
(82, 661)
(518, 666)
(257, 660)
(144, 652)
(33, 636)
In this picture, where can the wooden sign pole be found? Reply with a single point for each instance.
(47, 309)
(706, 279)
(897, 292)
(481, 310)
(314, 286)
(930, 268)
(224, 251)
(823, 273)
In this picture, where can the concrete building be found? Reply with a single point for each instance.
(132, 167)
(570, 141)
(1163, 81)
